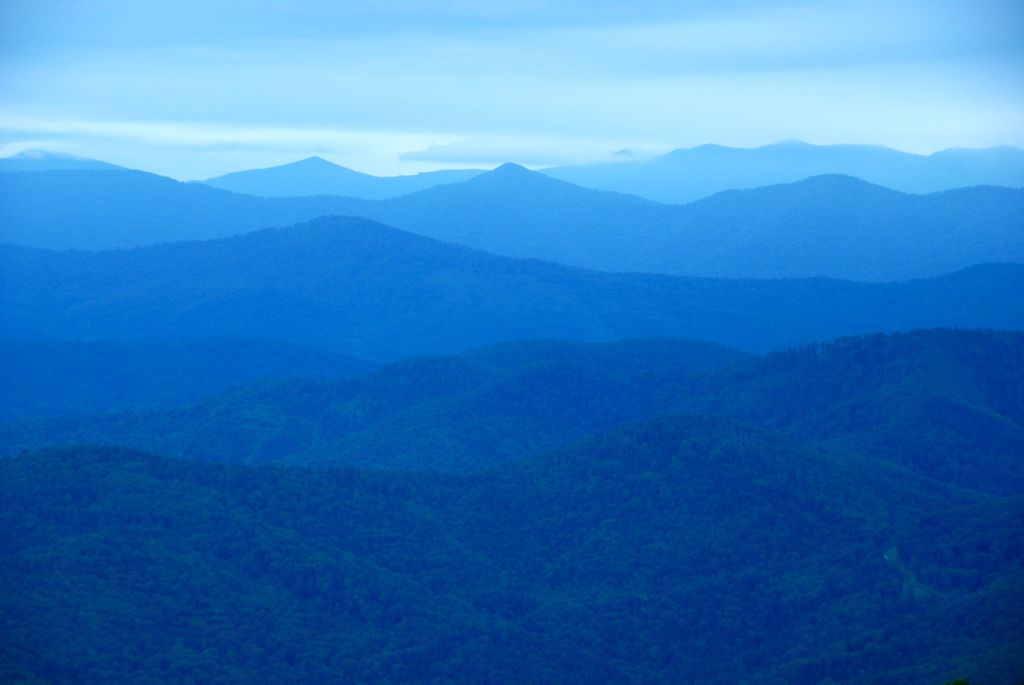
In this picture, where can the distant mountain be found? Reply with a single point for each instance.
(95, 210)
(680, 549)
(689, 174)
(55, 378)
(317, 176)
(41, 160)
(948, 405)
(363, 289)
(520, 213)
(832, 226)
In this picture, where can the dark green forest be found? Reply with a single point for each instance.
(537, 522)
(944, 403)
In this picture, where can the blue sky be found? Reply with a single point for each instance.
(193, 89)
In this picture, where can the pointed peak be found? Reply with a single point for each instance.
(315, 161)
(509, 168)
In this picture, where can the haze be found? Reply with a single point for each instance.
(193, 89)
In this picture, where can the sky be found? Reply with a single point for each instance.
(196, 88)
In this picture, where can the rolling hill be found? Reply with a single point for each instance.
(948, 405)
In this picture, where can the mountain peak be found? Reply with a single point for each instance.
(315, 161)
(510, 174)
(510, 168)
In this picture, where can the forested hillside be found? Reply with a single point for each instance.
(692, 549)
(946, 404)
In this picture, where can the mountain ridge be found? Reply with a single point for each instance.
(688, 174)
(318, 176)
(351, 285)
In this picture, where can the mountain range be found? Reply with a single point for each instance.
(679, 176)
(363, 289)
(317, 176)
(689, 174)
(827, 226)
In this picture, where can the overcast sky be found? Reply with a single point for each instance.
(195, 88)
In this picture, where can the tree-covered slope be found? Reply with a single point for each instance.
(678, 549)
(434, 413)
(946, 404)
(55, 378)
(363, 289)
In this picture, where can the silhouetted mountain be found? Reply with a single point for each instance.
(360, 288)
(317, 176)
(688, 174)
(520, 213)
(678, 550)
(50, 378)
(946, 404)
(95, 210)
(41, 160)
(830, 226)
(834, 226)
(840, 227)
